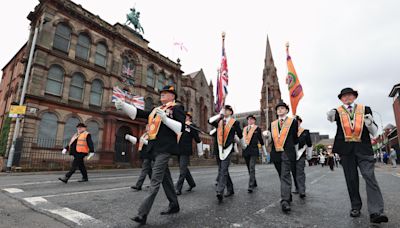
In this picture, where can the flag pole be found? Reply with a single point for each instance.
(223, 48)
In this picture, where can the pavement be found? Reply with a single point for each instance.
(40, 200)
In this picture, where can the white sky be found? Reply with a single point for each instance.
(334, 44)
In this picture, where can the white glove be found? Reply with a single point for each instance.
(144, 141)
(213, 131)
(131, 138)
(222, 112)
(264, 150)
(90, 156)
(368, 119)
(267, 135)
(161, 114)
(64, 151)
(214, 118)
(118, 104)
(200, 151)
(243, 143)
(331, 115)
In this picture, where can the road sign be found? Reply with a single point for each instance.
(17, 111)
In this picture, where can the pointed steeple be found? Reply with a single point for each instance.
(268, 61)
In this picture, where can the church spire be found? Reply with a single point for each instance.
(268, 61)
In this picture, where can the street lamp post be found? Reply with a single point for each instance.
(22, 98)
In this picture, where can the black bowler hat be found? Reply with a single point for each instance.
(251, 116)
(347, 91)
(81, 125)
(282, 104)
(169, 89)
(298, 118)
(229, 108)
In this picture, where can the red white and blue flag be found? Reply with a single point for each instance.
(129, 98)
(222, 80)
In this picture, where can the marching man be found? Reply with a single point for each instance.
(305, 150)
(352, 142)
(165, 126)
(79, 146)
(284, 147)
(227, 128)
(185, 150)
(252, 137)
(144, 155)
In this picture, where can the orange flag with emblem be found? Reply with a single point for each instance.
(294, 86)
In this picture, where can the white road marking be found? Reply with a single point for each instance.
(84, 192)
(13, 190)
(57, 181)
(318, 179)
(396, 174)
(74, 216)
(263, 210)
(35, 200)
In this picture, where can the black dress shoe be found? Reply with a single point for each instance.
(295, 192)
(178, 193)
(220, 197)
(140, 219)
(285, 206)
(229, 194)
(302, 195)
(355, 213)
(63, 179)
(250, 190)
(378, 218)
(136, 188)
(171, 210)
(83, 180)
(190, 188)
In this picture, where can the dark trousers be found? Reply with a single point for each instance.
(78, 163)
(219, 164)
(286, 179)
(293, 169)
(301, 175)
(366, 165)
(251, 167)
(224, 179)
(146, 170)
(160, 174)
(184, 172)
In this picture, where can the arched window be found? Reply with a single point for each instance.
(47, 130)
(93, 129)
(171, 82)
(101, 55)
(62, 37)
(96, 92)
(161, 81)
(148, 104)
(83, 47)
(55, 80)
(69, 129)
(150, 77)
(128, 70)
(77, 85)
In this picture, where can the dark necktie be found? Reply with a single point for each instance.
(350, 109)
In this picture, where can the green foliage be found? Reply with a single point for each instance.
(318, 148)
(4, 136)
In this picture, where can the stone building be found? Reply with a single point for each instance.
(78, 59)
(270, 84)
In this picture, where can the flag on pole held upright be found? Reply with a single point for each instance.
(294, 86)
(222, 80)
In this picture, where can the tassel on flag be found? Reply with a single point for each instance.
(294, 86)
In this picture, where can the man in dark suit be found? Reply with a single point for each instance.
(185, 151)
(165, 126)
(227, 128)
(252, 137)
(352, 142)
(305, 149)
(283, 136)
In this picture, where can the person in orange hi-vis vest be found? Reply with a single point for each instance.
(282, 134)
(166, 124)
(352, 142)
(80, 146)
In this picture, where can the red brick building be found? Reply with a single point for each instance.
(78, 59)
